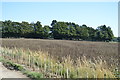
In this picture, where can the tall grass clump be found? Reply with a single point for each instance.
(44, 63)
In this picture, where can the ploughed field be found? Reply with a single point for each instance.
(62, 48)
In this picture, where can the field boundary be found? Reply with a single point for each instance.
(41, 63)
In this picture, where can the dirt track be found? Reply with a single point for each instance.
(5, 73)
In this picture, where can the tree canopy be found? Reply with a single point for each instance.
(57, 30)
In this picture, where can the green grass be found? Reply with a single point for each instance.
(1, 59)
(33, 75)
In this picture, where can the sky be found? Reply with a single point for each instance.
(93, 14)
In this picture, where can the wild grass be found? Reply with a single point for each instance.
(50, 67)
(62, 48)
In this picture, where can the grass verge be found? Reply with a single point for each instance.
(13, 66)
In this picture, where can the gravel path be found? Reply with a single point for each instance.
(5, 73)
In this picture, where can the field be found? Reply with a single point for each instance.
(64, 49)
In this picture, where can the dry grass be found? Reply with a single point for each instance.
(62, 48)
(50, 67)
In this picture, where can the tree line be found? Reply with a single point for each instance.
(57, 30)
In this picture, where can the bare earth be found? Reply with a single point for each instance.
(5, 73)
